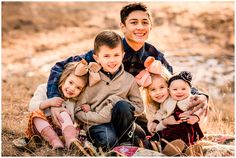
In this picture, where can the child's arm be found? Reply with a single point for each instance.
(199, 100)
(167, 121)
(55, 102)
(134, 97)
(152, 127)
(85, 107)
(95, 118)
(38, 98)
(98, 116)
(56, 71)
(197, 116)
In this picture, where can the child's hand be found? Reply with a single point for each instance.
(153, 128)
(56, 117)
(185, 114)
(56, 101)
(85, 107)
(192, 119)
(197, 102)
(170, 121)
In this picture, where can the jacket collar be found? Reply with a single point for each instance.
(105, 77)
(129, 52)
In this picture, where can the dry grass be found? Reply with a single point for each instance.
(220, 118)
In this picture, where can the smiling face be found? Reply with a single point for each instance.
(136, 28)
(72, 86)
(109, 58)
(158, 90)
(179, 89)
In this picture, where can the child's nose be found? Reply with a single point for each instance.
(140, 26)
(73, 88)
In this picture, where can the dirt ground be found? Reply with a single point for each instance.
(194, 36)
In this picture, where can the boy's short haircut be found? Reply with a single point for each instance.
(109, 39)
(126, 10)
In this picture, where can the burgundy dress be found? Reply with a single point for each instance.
(184, 131)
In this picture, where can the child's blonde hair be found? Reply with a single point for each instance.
(69, 69)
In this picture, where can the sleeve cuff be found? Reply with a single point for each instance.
(78, 109)
(160, 126)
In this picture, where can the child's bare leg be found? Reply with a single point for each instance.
(48, 133)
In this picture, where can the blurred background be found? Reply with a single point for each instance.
(194, 36)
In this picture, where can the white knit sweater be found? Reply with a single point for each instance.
(40, 96)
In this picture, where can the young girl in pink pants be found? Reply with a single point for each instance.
(72, 82)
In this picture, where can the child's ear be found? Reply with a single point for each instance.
(151, 27)
(123, 54)
(122, 27)
(95, 57)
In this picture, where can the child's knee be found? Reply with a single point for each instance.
(66, 119)
(123, 106)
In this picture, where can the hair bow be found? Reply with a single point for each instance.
(151, 66)
(183, 75)
(92, 68)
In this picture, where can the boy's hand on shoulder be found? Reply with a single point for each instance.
(197, 102)
(85, 107)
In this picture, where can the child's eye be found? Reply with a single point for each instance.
(134, 22)
(146, 23)
(153, 89)
(70, 82)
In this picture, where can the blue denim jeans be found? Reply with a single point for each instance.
(120, 129)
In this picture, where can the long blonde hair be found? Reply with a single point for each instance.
(69, 69)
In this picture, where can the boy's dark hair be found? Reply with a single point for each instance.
(126, 10)
(109, 39)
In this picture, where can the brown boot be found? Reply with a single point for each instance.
(52, 138)
(174, 148)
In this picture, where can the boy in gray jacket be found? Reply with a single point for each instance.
(109, 107)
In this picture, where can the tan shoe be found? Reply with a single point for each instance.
(30, 144)
(89, 148)
(174, 148)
